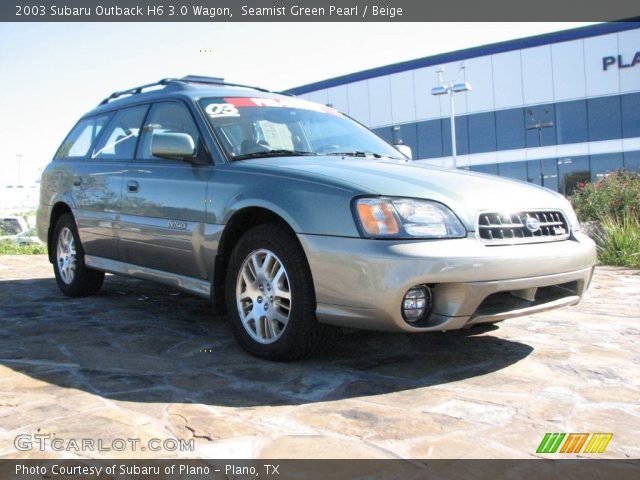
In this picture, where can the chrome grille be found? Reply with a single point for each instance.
(522, 227)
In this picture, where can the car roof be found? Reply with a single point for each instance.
(190, 87)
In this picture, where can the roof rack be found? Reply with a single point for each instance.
(187, 79)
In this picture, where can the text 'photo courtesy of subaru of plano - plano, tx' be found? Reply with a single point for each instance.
(293, 217)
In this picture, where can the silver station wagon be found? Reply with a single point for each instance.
(292, 217)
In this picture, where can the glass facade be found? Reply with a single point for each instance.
(576, 121)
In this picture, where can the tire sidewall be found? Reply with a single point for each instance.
(72, 288)
(302, 314)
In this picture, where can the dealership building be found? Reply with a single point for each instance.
(555, 109)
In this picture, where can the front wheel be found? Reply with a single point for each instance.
(270, 296)
(74, 278)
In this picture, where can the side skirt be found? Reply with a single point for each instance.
(198, 287)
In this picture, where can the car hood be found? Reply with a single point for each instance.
(465, 192)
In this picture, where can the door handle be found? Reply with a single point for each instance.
(132, 186)
(77, 181)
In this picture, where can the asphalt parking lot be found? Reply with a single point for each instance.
(143, 361)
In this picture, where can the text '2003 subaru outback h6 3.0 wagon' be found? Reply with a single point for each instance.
(293, 216)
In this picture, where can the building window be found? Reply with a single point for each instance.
(482, 132)
(510, 129)
(429, 139)
(385, 133)
(571, 122)
(604, 118)
(603, 164)
(515, 170)
(550, 173)
(540, 123)
(534, 172)
(630, 115)
(491, 168)
(632, 161)
(573, 172)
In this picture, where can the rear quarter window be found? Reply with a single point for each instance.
(82, 137)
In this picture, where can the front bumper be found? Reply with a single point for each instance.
(360, 283)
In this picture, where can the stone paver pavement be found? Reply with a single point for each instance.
(144, 361)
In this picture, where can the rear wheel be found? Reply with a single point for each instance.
(74, 278)
(270, 296)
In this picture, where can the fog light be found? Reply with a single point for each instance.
(416, 303)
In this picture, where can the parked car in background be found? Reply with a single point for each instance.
(293, 216)
(16, 229)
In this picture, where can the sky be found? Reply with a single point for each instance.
(52, 73)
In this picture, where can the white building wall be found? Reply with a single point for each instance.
(507, 80)
(568, 70)
(599, 82)
(358, 96)
(427, 106)
(628, 45)
(537, 75)
(403, 105)
(380, 101)
(480, 74)
(338, 98)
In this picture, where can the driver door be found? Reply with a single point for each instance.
(164, 201)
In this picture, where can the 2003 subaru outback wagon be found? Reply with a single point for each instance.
(291, 215)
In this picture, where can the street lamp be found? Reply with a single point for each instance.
(450, 88)
(19, 172)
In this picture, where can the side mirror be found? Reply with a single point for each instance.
(405, 150)
(173, 146)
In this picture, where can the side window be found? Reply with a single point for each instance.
(82, 136)
(120, 137)
(166, 117)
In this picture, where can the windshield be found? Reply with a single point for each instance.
(262, 127)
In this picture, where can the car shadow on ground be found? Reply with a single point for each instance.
(142, 342)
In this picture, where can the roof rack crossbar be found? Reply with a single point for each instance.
(183, 80)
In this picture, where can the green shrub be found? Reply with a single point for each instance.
(618, 241)
(615, 196)
(8, 247)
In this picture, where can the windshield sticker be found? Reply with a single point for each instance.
(241, 102)
(216, 110)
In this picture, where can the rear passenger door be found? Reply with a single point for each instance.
(164, 201)
(95, 181)
(98, 182)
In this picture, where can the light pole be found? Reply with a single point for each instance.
(450, 88)
(19, 169)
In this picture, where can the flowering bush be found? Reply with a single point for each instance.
(615, 196)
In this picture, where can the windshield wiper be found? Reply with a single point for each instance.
(359, 153)
(355, 153)
(273, 153)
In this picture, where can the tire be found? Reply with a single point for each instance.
(73, 276)
(262, 300)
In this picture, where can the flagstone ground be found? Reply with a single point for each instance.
(143, 361)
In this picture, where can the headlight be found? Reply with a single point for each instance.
(571, 216)
(384, 217)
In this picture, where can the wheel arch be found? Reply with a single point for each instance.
(238, 224)
(59, 209)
